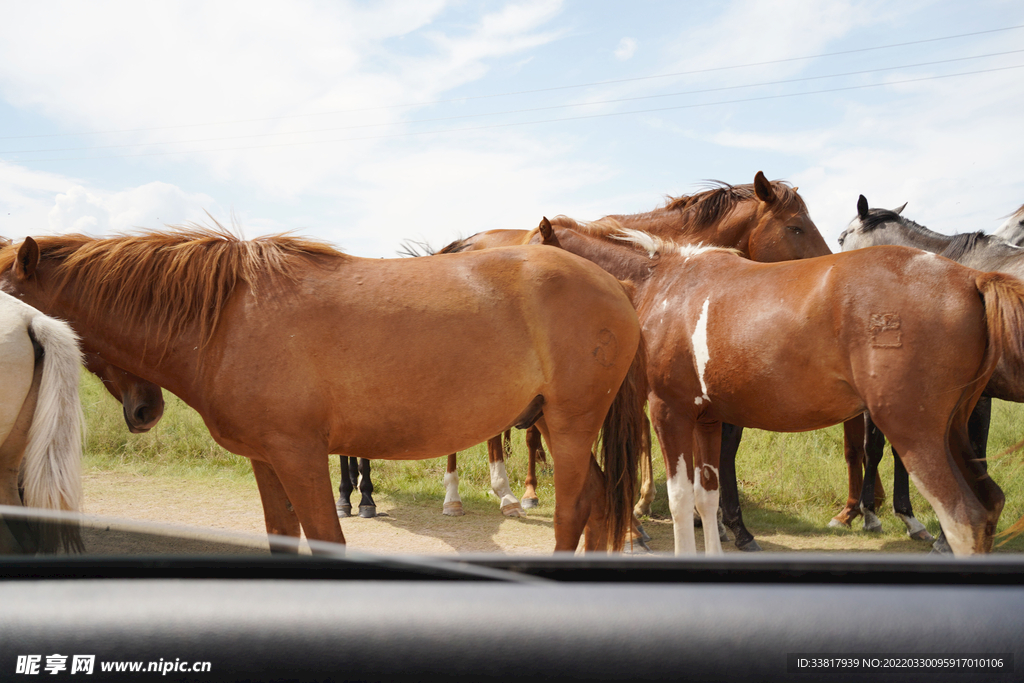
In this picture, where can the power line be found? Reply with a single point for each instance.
(541, 121)
(529, 92)
(517, 111)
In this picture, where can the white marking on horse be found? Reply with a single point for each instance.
(701, 355)
(451, 488)
(706, 503)
(499, 483)
(959, 536)
(680, 503)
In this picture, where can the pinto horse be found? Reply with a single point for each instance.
(40, 426)
(291, 350)
(801, 345)
(977, 250)
(765, 220)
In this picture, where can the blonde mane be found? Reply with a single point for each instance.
(657, 246)
(168, 280)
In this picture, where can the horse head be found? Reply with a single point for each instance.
(142, 401)
(873, 227)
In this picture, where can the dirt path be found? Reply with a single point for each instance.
(414, 528)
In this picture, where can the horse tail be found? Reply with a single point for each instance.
(51, 470)
(621, 445)
(1004, 312)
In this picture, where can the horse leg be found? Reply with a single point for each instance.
(344, 504)
(707, 447)
(901, 506)
(452, 501)
(573, 492)
(853, 448)
(676, 437)
(304, 472)
(536, 453)
(647, 488)
(874, 449)
(277, 510)
(977, 430)
(367, 508)
(928, 457)
(987, 491)
(732, 515)
(510, 506)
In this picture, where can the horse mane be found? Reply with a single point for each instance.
(168, 280)
(455, 247)
(876, 218)
(693, 212)
(710, 205)
(658, 246)
(415, 248)
(963, 244)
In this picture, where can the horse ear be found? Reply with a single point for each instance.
(548, 233)
(27, 260)
(862, 207)
(899, 210)
(763, 189)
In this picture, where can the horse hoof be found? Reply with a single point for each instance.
(529, 503)
(637, 547)
(641, 511)
(723, 535)
(367, 511)
(644, 536)
(750, 546)
(922, 535)
(344, 511)
(513, 510)
(453, 509)
(837, 523)
(941, 547)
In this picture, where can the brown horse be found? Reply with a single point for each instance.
(291, 350)
(907, 337)
(765, 220)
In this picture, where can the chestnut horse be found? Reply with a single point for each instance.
(976, 250)
(291, 350)
(40, 426)
(909, 338)
(765, 220)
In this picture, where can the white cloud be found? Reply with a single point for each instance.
(152, 205)
(625, 49)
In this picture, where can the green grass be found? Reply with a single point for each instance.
(789, 483)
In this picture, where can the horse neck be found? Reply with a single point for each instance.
(907, 235)
(621, 260)
(733, 230)
(129, 345)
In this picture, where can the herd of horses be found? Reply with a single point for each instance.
(721, 310)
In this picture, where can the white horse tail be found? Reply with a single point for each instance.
(51, 472)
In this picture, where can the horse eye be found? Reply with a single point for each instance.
(795, 229)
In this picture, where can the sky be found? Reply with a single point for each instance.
(369, 123)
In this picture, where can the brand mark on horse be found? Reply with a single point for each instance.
(607, 349)
(885, 330)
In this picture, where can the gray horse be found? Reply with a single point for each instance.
(1013, 229)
